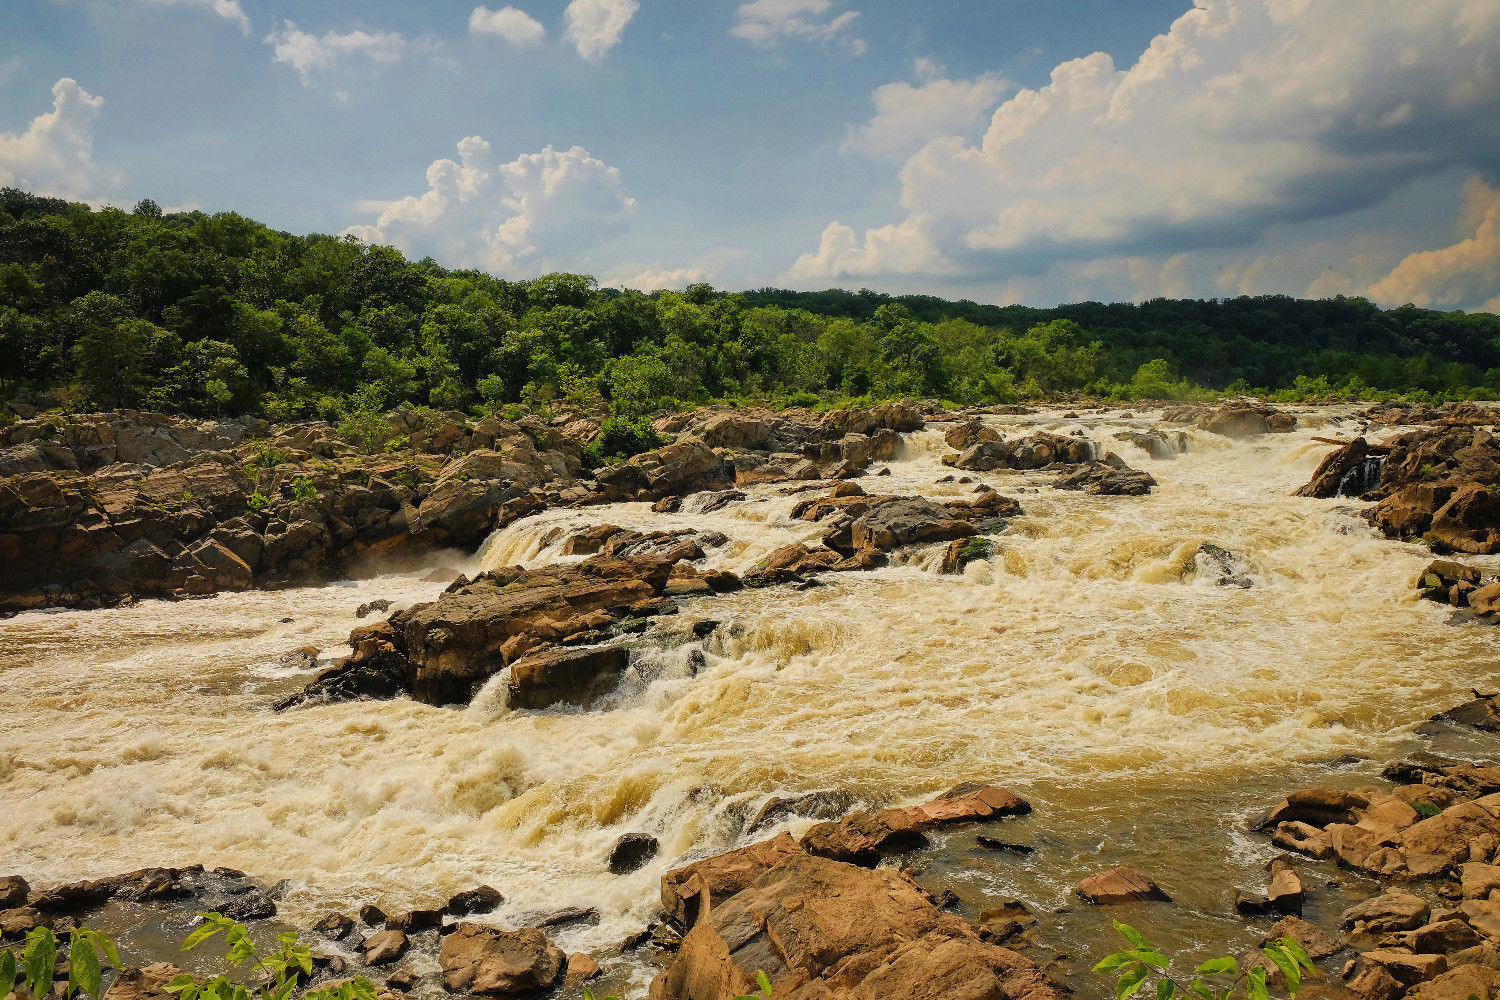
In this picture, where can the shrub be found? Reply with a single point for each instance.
(621, 438)
(257, 501)
(303, 490)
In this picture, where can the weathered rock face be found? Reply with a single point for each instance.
(442, 651)
(485, 961)
(1462, 414)
(1238, 419)
(1035, 451)
(674, 470)
(147, 505)
(148, 983)
(1448, 582)
(1352, 470)
(224, 890)
(1119, 885)
(863, 838)
(822, 928)
(1104, 479)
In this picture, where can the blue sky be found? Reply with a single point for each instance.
(1004, 151)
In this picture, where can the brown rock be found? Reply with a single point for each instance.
(1316, 942)
(481, 899)
(385, 947)
(486, 961)
(1122, 884)
(1437, 938)
(143, 984)
(1461, 983)
(13, 892)
(334, 926)
(1407, 968)
(1392, 910)
(1483, 915)
(1375, 983)
(20, 921)
(413, 921)
(1285, 892)
(1479, 879)
(722, 876)
(575, 676)
(580, 969)
(1469, 831)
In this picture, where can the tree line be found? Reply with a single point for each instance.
(217, 314)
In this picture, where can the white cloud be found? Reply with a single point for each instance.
(54, 156)
(514, 25)
(1246, 113)
(767, 22)
(908, 116)
(1462, 274)
(538, 212)
(595, 26)
(335, 62)
(229, 10)
(652, 279)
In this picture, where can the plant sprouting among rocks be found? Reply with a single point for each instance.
(1216, 979)
(88, 950)
(283, 970)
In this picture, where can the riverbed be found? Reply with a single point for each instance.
(1095, 664)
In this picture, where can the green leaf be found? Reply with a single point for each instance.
(1150, 957)
(1219, 966)
(1294, 948)
(1164, 989)
(764, 981)
(7, 971)
(1131, 981)
(200, 935)
(1132, 935)
(1110, 963)
(83, 969)
(1257, 984)
(1200, 989)
(1287, 964)
(179, 983)
(39, 957)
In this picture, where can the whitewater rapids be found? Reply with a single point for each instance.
(1089, 665)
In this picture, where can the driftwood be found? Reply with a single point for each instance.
(1375, 449)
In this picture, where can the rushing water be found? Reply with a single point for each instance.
(1090, 665)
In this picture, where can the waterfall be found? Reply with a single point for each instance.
(1363, 477)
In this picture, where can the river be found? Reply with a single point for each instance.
(1090, 665)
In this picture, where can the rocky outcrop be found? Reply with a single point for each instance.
(223, 890)
(1237, 419)
(1448, 582)
(1461, 414)
(674, 470)
(487, 961)
(1111, 479)
(1035, 451)
(1121, 884)
(864, 837)
(442, 651)
(820, 928)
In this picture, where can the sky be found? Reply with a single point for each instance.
(1034, 151)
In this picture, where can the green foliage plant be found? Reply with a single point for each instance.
(303, 490)
(281, 970)
(1216, 979)
(88, 950)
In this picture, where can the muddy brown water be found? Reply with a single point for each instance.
(1091, 665)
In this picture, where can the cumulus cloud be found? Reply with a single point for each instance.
(510, 23)
(909, 116)
(767, 22)
(229, 10)
(595, 26)
(1244, 114)
(335, 62)
(54, 156)
(710, 267)
(1462, 274)
(535, 213)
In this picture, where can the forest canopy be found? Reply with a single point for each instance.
(218, 314)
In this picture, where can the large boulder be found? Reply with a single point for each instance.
(863, 837)
(575, 676)
(822, 928)
(486, 961)
(1035, 451)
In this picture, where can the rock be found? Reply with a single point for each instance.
(1481, 713)
(1486, 600)
(1032, 452)
(962, 551)
(1317, 807)
(1250, 905)
(1099, 479)
(1479, 879)
(1461, 983)
(402, 980)
(722, 876)
(575, 676)
(991, 844)
(1122, 884)
(14, 891)
(148, 983)
(413, 921)
(1350, 471)
(632, 852)
(372, 915)
(1375, 983)
(822, 804)
(385, 947)
(1392, 910)
(964, 436)
(1483, 915)
(1437, 938)
(1469, 831)
(481, 899)
(581, 968)
(1317, 943)
(1285, 894)
(485, 961)
(1236, 419)
(19, 921)
(864, 837)
(334, 926)
(444, 650)
(370, 607)
(1407, 968)
(1221, 566)
(827, 925)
